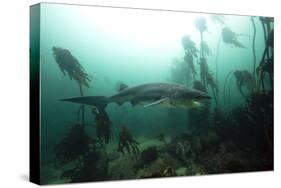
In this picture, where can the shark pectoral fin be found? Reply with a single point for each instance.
(156, 102)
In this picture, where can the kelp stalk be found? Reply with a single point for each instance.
(83, 106)
(202, 49)
(253, 49)
(229, 89)
(225, 86)
(217, 56)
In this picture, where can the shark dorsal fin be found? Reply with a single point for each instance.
(122, 87)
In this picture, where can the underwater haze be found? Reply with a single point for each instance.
(103, 51)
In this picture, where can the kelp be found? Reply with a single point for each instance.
(69, 65)
(73, 146)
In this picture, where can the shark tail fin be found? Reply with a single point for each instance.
(98, 101)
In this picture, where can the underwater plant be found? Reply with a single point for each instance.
(244, 79)
(69, 65)
(228, 78)
(207, 50)
(217, 58)
(229, 37)
(149, 155)
(249, 129)
(253, 48)
(213, 85)
(188, 59)
(205, 75)
(74, 145)
(220, 19)
(266, 63)
(260, 106)
(207, 78)
(199, 86)
(264, 68)
(103, 125)
(127, 142)
(94, 167)
(182, 147)
(190, 53)
(201, 24)
(189, 46)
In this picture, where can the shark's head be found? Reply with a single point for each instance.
(190, 98)
(198, 95)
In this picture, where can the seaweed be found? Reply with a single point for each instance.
(69, 65)
(73, 146)
(149, 155)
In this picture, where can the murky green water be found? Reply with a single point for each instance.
(232, 132)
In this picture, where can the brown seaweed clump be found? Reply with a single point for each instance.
(94, 167)
(68, 64)
(103, 125)
(244, 79)
(127, 142)
(149, 155)
(229, 37)
(73, 146)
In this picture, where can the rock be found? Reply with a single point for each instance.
(123, 168)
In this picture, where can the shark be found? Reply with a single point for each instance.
(151, 94)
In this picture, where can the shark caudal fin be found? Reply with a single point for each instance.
(98, 101)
